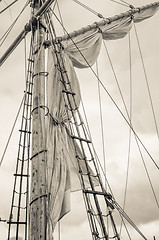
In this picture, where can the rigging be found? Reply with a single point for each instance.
(111, 97)
(5, 35)
(8, 6)
(75, 130)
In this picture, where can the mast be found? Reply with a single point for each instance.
(38, 176)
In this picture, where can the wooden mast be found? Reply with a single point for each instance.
(38, 220)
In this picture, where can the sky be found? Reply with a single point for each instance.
(140, 205)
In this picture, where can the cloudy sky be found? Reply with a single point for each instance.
(140, 205)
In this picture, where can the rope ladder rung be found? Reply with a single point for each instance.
(21, 175)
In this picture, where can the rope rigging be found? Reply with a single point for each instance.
(123, 4)
(101, 122)
(137, 137)
(10, 135)
(147, 82)
(5, 35)
(19, 204)
(129, 141)
(129, 220)
(88, 8)
(95, 216)
(118, 108)
(8, 6)
(129, 119)
(103, 231)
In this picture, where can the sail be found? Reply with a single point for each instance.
(63, 175)
(83, 46)
(145, 13)
(81, 52)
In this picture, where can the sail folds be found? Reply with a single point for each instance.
(84, 49)
(62, 168)
(145, 13)
(117, 29)
(58, 149)
(84, 46)
(81, 52)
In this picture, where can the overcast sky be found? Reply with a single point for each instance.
(140, 205)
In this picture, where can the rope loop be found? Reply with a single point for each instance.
(97, 26)
(41, 106)
(35, 199)
(41, 73)
(36, 154)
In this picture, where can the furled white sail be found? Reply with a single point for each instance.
(145, 13)
(63, 175)
(84, 48)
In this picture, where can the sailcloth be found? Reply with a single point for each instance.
(81, 51)
(84, 49)
(63, 174)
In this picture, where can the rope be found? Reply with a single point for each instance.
(97, 158)
(129, 142)
(25, 58)
(81, 144)
(98, 162)
(101, 122)
(146, 78)
(130, 124)
(129, 219)
(8, 6)
(116, 79)
(119, 3)
(30, 66)
(15, 121)
(105, 89)
(125, 227)
(88, 8)
(5, 35)
(147, 83)
(123, 213)
(22, 165)
(127, 4)
(131, 222)
(58, 7)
